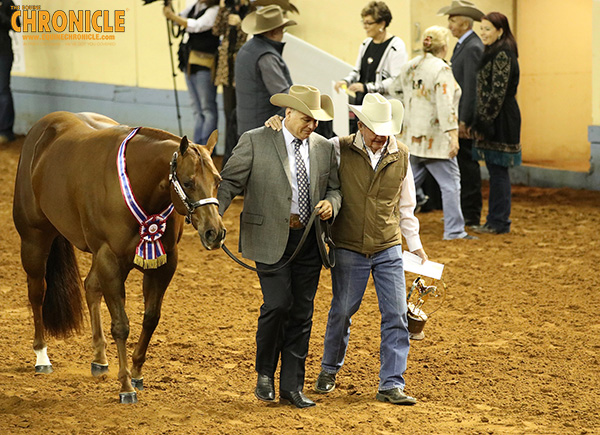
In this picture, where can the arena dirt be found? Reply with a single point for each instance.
(514, 350)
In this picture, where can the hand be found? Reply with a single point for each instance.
(168, 12)
(463, 131)
(357, 87)
(453, 144)
(222, 3)
(234, 19)
(325, 209)
(421, 253)
(340, 85)
(274, 122)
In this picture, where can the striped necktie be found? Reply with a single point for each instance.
(302, 179)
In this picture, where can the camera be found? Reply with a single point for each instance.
(165, 2)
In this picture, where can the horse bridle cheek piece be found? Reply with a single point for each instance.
(190, 205)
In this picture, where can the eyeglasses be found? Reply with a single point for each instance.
(368, 23)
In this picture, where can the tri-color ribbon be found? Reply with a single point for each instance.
(150, 252)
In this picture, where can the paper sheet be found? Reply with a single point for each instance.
(412, 263)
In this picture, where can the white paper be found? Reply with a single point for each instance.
(340, 108)
(412, 263)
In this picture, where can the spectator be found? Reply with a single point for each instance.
(7, 108)
(380, 57)
(497, 125)
(465, 61)
(430, 95)
(198, 20)
(260, 71)
(228, 26)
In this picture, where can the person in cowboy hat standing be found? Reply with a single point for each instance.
(378, 209)
(260, 70)
(284, 175)
(465, 63)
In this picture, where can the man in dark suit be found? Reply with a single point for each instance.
(465, 62)
(284, 175)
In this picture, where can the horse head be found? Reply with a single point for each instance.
(194, 183)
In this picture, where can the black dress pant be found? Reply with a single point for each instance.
(231, 136)
(285, 319)
(470, 183)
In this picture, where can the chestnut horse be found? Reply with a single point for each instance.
(70, 191)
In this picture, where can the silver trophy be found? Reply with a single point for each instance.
(419, 294)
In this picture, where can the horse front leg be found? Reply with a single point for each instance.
(156, 282)
(110, 275)
(93, 295)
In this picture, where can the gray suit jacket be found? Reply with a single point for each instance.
(465, 63)
(259, 167)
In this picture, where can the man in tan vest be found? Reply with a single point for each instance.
(378, 205)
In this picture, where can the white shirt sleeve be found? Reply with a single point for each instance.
(203, 23)
(409, 224)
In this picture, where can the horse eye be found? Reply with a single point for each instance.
(188, 184)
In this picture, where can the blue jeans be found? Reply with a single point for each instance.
(349, 277)
(203, 94)
(500, 198)
(7, 108)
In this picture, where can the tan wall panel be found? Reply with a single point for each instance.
(555, 94)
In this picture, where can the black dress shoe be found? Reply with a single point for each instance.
(265, 388)
(487, 229)
(395, 396)
(325, 382)
(296, 398)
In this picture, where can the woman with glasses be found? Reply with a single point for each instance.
(380, 57)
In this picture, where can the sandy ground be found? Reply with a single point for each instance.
(514, 349)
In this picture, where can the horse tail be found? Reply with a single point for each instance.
(62, 310)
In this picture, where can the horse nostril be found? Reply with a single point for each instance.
(210, 236)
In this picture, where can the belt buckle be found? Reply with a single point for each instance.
(295, 221)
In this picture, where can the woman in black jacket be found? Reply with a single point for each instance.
(497, 126)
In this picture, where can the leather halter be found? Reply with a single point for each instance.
(190, 205)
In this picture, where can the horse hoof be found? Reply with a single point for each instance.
(138, 384)
(128, 397)
(99, 369)
(44, 369)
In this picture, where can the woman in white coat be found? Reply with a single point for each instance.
(430, 95)
(380, 57)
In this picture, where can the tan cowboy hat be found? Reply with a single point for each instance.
(283, 4)
(380, 115)
(265, 19)
(463, 8)
(308, 100)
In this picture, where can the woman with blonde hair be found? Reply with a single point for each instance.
(430, 95)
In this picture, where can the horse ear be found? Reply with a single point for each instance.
(183, 146)
(212, 141)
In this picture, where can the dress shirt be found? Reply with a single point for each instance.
(409, 224)
(463, 37)
(291, 151)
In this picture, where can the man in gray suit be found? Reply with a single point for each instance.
(284, 176)
(465, 63)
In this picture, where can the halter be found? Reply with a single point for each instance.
(190, 205)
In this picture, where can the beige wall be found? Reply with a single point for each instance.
(596, 63)
(555, 93)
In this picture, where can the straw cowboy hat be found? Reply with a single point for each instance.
(463, 8)
(308, 100)
(380, 115)
(283, 4)
(265, 19)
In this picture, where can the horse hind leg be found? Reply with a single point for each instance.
(50, 269)
(93, 294)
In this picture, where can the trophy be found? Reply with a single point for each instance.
(419, 294)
